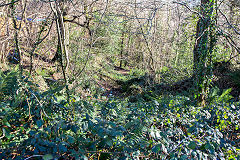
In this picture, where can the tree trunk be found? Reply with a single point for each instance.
(202, 50)
(61, 47)
(121, 51)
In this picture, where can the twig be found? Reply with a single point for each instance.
(232, 43)
(185, 5)
(41, 105)
(91, 40)
(33, 157)
(235, 30)
(35, 45)
(10, 3)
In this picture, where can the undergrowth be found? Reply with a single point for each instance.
(43, 125)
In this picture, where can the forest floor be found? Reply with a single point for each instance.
(129, 119)
(223, 79)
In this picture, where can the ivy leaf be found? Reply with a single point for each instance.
(74, 128)
(194, 154)
(83, 157)
(164, 149)
(156, 148)
(192, 145)
(62, 148)
(70, 139)
(191, 129)
(158, 135)
(6, 123)
(6, 132)
(183, 157)
(47, 157)
(225, 116)
(109, 142)
(32, 133)
(208, 146)
(156, 102)
(39, 123)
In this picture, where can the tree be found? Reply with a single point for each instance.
(205, 42)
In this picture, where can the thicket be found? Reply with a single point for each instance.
(119, 80)
(45, 125)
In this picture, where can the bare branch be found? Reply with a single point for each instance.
(235, 30)
(10, 3)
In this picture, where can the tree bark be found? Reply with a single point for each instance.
(203, 50)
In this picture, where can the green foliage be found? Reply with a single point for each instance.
(8, 83)
(35, 123)
(235, 77)
(215, 95)
(204, 48)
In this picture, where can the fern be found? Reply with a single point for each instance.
(8, 83)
